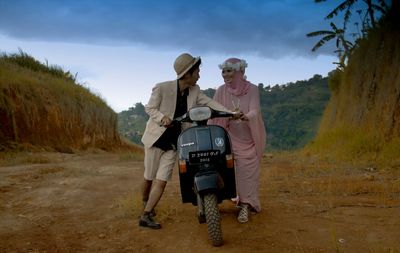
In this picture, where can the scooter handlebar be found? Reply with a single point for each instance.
(204, 113)
(223, 114)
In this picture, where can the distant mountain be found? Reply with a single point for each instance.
(291, 113)
(132, 122)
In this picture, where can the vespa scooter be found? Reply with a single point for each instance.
(206, 167)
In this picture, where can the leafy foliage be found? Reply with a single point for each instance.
(344, 47)
(291, 113)
(132, 122)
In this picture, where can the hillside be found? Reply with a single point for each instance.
(44, 106)
(291, 112)
(132, 122)
(362, 119)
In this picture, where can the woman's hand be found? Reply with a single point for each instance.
(236, 115)
(244, 117)
(239, 115)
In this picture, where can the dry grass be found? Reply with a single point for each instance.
(15, 158)
(43, 105)
(131, 156)
(355, 146)
(307, 176)
(360, 125)
(323, 188)
(130, 205)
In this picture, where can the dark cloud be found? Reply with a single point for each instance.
(272, 29)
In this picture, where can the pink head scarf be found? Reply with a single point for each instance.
(239, 85)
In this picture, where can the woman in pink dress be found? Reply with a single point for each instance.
(248, 135)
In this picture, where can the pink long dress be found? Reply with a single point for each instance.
(248, 140)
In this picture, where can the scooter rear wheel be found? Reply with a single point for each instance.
(213, 219)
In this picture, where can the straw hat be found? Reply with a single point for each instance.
(183, 63)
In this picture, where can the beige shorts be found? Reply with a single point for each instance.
(158, 164)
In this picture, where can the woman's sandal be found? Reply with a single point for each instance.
(243, 216)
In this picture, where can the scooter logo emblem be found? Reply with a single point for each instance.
(187, 144)
(219, 142)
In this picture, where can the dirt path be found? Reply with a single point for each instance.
(90, 203)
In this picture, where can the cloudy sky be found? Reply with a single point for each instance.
(120, 49)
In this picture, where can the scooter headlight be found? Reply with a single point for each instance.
(200, 113)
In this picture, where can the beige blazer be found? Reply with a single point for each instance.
(163, 102)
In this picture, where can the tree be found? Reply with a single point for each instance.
(138, 109)
(344, 46)
(347, 5)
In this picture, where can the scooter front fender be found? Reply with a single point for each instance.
(206, 182)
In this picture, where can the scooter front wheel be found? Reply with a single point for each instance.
(213, 219)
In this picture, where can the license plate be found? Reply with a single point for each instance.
(203, 156)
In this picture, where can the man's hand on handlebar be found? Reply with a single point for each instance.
(166, 122)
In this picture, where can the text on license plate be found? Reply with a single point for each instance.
(203, 156)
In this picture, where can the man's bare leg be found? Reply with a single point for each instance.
(146, 189)
(155, 195)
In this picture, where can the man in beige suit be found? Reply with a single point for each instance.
(168, 100)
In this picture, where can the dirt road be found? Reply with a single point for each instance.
(52, 202)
